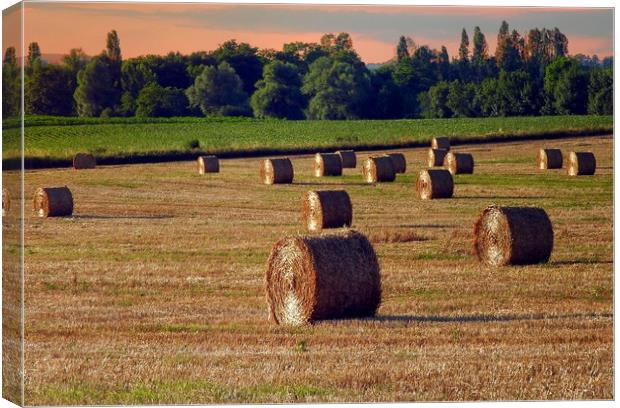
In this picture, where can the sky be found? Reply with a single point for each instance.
(157, 28)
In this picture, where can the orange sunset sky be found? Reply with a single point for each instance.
(156, 28)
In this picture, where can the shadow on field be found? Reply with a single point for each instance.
(122, 217)
(481, 318)
(580, 262)
(425, 226)
(494, 197)
(304, 183)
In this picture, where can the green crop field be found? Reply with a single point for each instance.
(54, 140)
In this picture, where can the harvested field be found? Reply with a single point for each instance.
(153, 291)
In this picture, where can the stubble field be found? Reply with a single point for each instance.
(153, 291)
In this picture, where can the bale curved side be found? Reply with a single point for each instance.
(436, 157)
(312, 278)
(53, 202)
(459, 163)
(434, 183)
(208, 164)
(581, 164)
(326, 209)
(441, 142)
(276, 171)
(399, 162)
(84, 161)
(378, 169)
(549, 159)
(327, 164)
(6, 201)
(348, 159)
(513, 236)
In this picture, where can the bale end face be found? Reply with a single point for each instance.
(6, 201)
(378, 169)
(83, 161)
(513, 236)
(348, 159)
(549, 159)
(53, 202)
(433, 184)
(581, 164)
(327, 164)
(208, 164)
(312, 278)
(276, 171)
(326, 209)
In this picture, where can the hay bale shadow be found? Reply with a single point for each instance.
(121, 217)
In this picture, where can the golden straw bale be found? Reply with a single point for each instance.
(348, 159)
(436, 157)
(326, 209)
(434, 183)
(513, 236)
(208, 164)
(440, 143)
(319, 277)
(399, 162)
(53, 202)
(327, 164)
(378, 169)
(549, 159)
(6, 201)
(581, 164)
(276, 171)
(459, 163)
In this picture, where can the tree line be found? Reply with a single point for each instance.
(527, 75)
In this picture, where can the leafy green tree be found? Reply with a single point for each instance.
(386, 101)
(433, 103)
(34, 54)
(244, 60)
(157, 101)
(443, 64)
(566, 87)
(481, 50)
(601, 92)
(512, 94)
(461, 99)
(96, 88)
(402, 51)
(464, 47)
(337, 90)
(11, 84)
(48, 90)
(279, 94)
(218, 90)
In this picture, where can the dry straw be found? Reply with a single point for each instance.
(434, 183)
(399, 162)
(459, 163)
(513, 236)
(377, 169)
(53, 202)
(549, 159)
(326, 209)
(84, 161)
(436, 157)
(440, 143)
(319, 277)
(208, 164)
(348, 158)
(327, 164)
(276, 171)
(581, 164)
(6, 201)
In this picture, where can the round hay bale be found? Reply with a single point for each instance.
(326, 209)
(513, 236)
(436, 157)
(53, 202)
(549, 159)
(399, 162)
(348, 159)
(378, 169)
(84, 161)
(6, 201)
(276, 171)
(440, 143)
(327, 164)
(319, 277)
(459, 163)
(581, 164)
(436, 183)
(208, 164)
